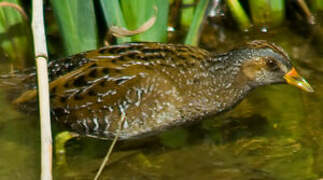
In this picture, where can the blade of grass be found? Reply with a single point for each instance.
(137, 12)
(14, 32)
(114, 17)
(77, 24)
(239, 14)
(193, 34)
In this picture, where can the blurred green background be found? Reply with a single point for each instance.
(74, 26)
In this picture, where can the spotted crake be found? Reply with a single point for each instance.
(155, 85)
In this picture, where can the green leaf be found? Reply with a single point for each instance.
(77, 24)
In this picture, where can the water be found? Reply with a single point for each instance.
(275, 133)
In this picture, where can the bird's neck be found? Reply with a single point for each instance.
(223, 87)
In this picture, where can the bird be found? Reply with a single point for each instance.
(154, 86)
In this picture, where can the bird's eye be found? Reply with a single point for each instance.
(271, 64)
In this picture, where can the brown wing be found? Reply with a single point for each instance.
(132, 78)
(91, 99)
(92, 102)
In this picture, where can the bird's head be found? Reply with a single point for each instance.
(265, 63)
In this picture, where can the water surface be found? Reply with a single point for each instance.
(275, 133)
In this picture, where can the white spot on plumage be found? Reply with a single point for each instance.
(96, 123)
(125, 124)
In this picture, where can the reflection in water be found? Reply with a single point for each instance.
(275, 133)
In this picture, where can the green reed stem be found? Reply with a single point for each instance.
(193, 34)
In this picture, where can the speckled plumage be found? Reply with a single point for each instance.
(155, 85)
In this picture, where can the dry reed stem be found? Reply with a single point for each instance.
(43, 91)
(309, 16)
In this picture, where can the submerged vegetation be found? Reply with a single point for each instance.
(264, 142)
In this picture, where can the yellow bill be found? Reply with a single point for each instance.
(293, 78)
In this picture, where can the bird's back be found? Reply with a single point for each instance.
(91, 90)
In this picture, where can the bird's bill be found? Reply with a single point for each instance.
(293, 78)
